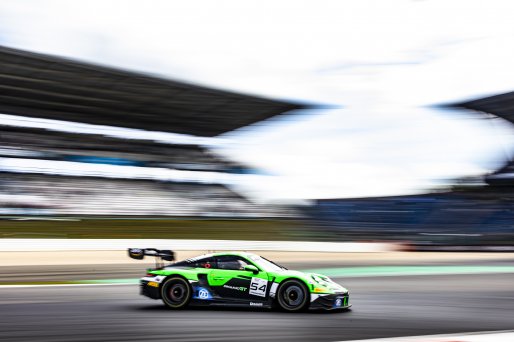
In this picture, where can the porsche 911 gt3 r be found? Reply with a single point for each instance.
(237, 279)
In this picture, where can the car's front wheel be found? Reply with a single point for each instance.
(176, 293)
(293, 295)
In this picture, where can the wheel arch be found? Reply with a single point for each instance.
(183, 273)
(303, 281)
(174, 275)
(166, 279)
(298, 279)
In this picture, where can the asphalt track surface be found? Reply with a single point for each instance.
(383, 307)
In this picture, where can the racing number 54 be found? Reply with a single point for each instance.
(258, 287)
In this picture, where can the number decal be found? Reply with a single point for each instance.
(258, 287)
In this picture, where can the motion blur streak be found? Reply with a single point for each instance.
(383, 307)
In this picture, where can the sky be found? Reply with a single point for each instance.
(381, 67)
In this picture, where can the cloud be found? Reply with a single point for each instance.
(383, 61)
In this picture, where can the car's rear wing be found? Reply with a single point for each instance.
(162, 254)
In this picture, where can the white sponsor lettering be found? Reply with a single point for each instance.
(238, 288)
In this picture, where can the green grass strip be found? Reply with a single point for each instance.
(153, 228)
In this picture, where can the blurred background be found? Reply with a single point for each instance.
(381, 130)
(319, 123)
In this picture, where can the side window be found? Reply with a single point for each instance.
(231, 262)
(204, 263)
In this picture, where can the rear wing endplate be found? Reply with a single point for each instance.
(162, 254)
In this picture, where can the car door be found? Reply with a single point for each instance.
(203, 266)
(232, 282)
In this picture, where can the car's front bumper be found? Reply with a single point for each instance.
(336, 301)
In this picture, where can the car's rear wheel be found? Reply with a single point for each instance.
(176, 293)
(293, 295)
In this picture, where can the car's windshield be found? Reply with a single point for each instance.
(266, 265)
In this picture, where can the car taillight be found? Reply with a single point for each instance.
(148, 274)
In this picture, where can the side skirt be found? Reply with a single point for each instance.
(232, 303)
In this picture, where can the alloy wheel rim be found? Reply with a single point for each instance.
(177, 293)
(293, 296)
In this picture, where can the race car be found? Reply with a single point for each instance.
(236, 279)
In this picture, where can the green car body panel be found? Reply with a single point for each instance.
(243, 279)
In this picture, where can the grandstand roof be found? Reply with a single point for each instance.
(500, 105)
(51, 87)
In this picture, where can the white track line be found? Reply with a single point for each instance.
(485, 336)
(61, 285)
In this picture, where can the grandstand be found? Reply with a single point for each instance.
(476, 214)
(51, 145)
(501, 106)
(43, 86)
(458, 217)
(54, 171)
(62, 195)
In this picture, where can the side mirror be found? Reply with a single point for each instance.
(251, 268)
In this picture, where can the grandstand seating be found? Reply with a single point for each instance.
(460, 214)
(60, 195)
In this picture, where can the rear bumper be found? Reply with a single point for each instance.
(336, 301)
(149, 290)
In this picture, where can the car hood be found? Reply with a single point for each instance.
(329, 285)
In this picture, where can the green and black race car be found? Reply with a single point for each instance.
(237, 279)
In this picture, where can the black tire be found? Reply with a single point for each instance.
(176, 293)
(293, 296)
